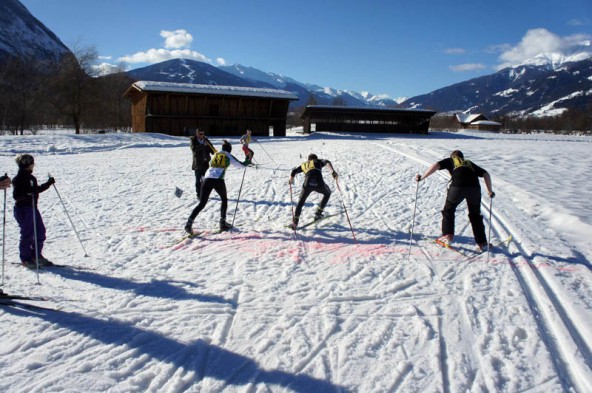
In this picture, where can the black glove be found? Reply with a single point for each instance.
(335, 175)
(51, 181)
(492, 195)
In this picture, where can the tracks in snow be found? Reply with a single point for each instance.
(562, 330)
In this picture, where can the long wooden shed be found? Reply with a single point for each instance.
(180, 108)
(356, 119)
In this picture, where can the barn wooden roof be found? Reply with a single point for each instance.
(190, 88)
(349, 110)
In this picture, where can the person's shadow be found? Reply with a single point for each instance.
(205, 359)
(154, 288)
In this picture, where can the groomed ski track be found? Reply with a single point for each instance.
(560, 327)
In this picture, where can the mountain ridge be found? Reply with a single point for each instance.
(547, 84)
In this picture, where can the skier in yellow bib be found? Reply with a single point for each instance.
(464, 184)
(214, 180)
(313, 181)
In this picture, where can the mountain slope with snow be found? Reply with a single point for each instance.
(22, 35)
(540, 86)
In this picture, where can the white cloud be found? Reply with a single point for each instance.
(454, 51)
(176, 45)
(541, 41)
(220, 61)
(578, 22)
(176, 39)
(467, 67)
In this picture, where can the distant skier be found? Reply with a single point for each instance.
(464, 185)
(245, 140)
(214, 180)
(313, 181)
(202, 150)
(26, 194)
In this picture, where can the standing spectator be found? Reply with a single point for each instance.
(202, 150)
(26, 194)
(464, 185)
(4, 184)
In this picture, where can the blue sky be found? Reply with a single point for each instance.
(383, 47)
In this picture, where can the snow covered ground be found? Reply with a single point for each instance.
(258, 310)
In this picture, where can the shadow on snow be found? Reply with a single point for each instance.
(205, 359)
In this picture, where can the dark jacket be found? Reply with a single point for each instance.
(201, 152)
(466, 175)
(25, 187)
(313, 172)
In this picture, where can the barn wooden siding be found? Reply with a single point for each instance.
(373, 120)
(217, 113)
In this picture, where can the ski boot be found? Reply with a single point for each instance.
(445, 240)
(29, 264)
(189, 227)
(483, 247)
(43, 262)
(224, 226)
(294, 224)
(319, 214)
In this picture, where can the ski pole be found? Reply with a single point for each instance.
(345, 210)
(69, 218)
(4, 232)
(413, 220)
(489, 231)
(292, 206)
(34, 210)
(275, 163)
(239, 194)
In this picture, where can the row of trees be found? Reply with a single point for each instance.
(571, 120)
(67, 93)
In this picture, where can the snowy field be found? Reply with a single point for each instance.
(260, 310)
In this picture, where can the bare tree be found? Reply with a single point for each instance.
(19, 93)
(69, 88)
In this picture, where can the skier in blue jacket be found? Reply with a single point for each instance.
(26, 194)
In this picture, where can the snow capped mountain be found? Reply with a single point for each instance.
(555, 60)
(544, 86)
(22, 35)
(308, 91)
(188, 71)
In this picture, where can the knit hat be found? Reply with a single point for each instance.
(226, 146)
(24, 160)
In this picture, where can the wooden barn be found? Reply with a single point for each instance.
(180, 108)
(355, 119)
(476, 121)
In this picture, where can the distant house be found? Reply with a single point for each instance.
(355, 119)
(180, 108)
(476, 122)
